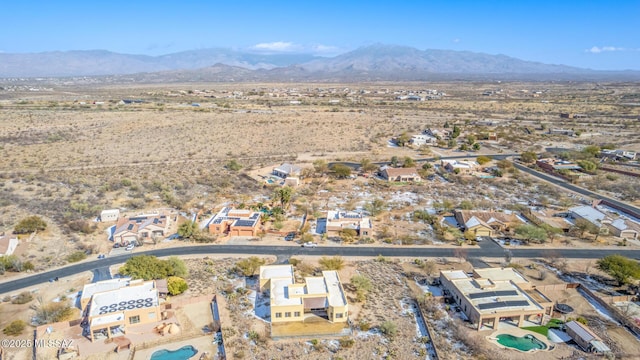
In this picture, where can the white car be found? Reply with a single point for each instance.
(309, 244)
(130, 247)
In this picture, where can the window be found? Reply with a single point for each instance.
(296, 314)
(338, 315)
(134, 319)
(278, 315)
(151, 315)
(287, 314)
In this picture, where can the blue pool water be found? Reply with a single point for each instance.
(184, 353)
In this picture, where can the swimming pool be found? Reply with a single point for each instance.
(525, 343)
(184, 353)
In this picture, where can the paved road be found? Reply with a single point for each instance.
(577, 189)
(355, 165)
(281, 251)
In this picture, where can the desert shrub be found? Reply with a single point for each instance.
(346, 342)
(388, 328)
(23, 298)
(82, 226)
(176, 285)
(76, 256)
(12, 263)
(362, 285)
(149, 267)
(15, 328)
(53, 312)
(332, 263)
(248, 267)
(29, 225)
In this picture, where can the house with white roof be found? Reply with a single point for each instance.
(111, 306)
(623, 229)
(493, 295)
(289, 301)
(592, 215)
(340, 220)
(461, 165)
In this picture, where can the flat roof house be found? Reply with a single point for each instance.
(339, 220)
(285, 170)
(392, 174)
(235, 222)
(111, 306)
(109, 215)
(289, 301)
(463, 166)
(492, 295)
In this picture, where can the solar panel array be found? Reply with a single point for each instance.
(486, 294)
(244, 222)
(501, 304)
(254, 216)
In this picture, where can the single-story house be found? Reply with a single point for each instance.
(138, 228)
(478, 221)
(285, 170)
(492, 295)
(623, 228)
(8, 244)
(463, 166)
(400, 174)
(550, 165)
(423, 139)
(339, 220)
(235, 222)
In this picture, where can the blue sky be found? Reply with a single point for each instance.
(590, 34)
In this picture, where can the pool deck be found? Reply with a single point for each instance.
(516, 331)
(201, 343)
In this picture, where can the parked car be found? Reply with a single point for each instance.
(101, 256)
(290, 236)
(116, 245)
(129, 247)
(310, 244)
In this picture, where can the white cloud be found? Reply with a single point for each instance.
(456, 40)
(277, 46)
(597, 50)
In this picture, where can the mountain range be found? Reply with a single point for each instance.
(375, 62)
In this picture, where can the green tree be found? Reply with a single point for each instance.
(471, 139)
(483, 159)
(187, 229)
(476, 147)
(531, 232)
(29, 225)
(455, 132)
(583, 226)
(283, 195)
(394, 161)
(331, 263)
(588, 166)
(176, 285)
(233, 165)
(591, 150)
(452, 143)
(367, 165)
(249, 267)
(341, 170)
(408, 162)
(149, 267)
(403, 139)
(375, 207)
(621, 268)
(466, 205)
(320, 167)
(528, 157)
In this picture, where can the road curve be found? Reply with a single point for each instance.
(348, 251)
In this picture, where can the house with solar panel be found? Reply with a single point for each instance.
(493, 295)
(339, 220)
(321, 296)
(110, 306)
(136, 229)
(234, 222)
